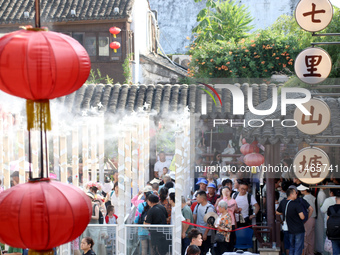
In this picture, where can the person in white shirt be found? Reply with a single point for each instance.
(160, 164)
(327, 203)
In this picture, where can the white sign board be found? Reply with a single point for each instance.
(319, 119)
(313, 65)
(311, 165)
(314, 15)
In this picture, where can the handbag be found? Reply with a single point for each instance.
(328, 246)
(219, 237)
(285, 226)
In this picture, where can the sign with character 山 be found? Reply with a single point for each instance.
(311, 165)
(314, 15)
(319, 119)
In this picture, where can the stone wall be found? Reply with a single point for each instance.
(176, 18)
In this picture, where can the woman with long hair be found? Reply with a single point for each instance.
(163, 199)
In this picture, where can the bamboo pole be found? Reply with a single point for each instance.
(35, 153)
(141, 165)
(56, 154)
(146, 148)
(1, 150)
(121, 192)
(7, 175)
(93, 152)
(134, 166)
(85, 153)
(63, 159)
(179, 192)
(75, 156)
(127, 162)
(101, 147)
(21, 153)
(10, 136)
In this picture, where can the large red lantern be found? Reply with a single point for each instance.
(253, 159)
(115, 31)
(249, 148)
(43, 214)
(115, 46)
(40, 65)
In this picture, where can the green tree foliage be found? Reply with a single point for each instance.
(222, 20)
(263, 53)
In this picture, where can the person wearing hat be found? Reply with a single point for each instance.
(202, 208)
(293, 216)
(211, 195)
(203, 183)
(310, 223)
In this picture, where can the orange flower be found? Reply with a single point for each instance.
(221, 48)
(210, 73)
(287, 46)
(266, 70)
(231, 71)
(211, 60)
(264, 46)
(279, 64)
(228, 63)
(277, 57)
(284, 65)
(253, 45)
(252, 41)
(188, 38)
(230, 52)
(273, 54)
(287, 58)
(196, 59)
(243, 47)
(246, 50)
(203, 63)
(219, 68)
(243, 67)
(192, 48)
(200, 47)
(263, 62)
(255, 53)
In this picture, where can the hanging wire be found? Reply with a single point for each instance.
(37, 13)
(29, 155)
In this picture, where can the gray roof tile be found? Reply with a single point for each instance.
(60, 10)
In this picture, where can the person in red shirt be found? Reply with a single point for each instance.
(211, 195)
(111, 218)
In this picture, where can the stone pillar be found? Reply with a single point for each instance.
(272, 158)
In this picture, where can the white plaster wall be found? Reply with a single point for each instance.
(176, 18)
(139, 26)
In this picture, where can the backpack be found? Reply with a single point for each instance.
(304, 208)
(333, 224)
(101, 216)
(141, 218)
(209, 205)
(250, 212)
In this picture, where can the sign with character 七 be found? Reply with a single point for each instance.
(314, 15)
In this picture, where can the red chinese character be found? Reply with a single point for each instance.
(313, 12)
(311, 63)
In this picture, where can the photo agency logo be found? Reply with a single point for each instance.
(239, 103)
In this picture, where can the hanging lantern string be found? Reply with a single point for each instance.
(29, 155)
(37, 13)
(46, 155)
(41, 145)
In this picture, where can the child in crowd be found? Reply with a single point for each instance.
(111, 218)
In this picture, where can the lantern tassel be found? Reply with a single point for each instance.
(114, 35)
(38, 115)
(35, 252)
(115, 50)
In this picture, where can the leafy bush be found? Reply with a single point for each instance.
(256, 57)
(222, 20)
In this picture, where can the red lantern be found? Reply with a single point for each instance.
(115, 31)
(248, 148)
(43, 214)
(253, 159)
(115, 45)
(39, 65)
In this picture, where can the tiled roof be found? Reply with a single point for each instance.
(161, 98)
(12, 11)
(286, 135)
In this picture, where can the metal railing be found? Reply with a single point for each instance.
(139, 240)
